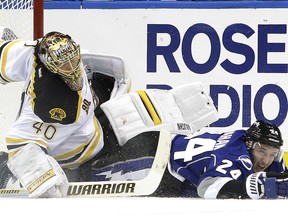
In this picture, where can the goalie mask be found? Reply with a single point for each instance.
(61, 55)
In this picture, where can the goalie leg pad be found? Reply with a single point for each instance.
(38, 172)
(182, 110)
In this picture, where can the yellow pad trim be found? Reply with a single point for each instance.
(149, 106)
(39, 181)
(285, 158)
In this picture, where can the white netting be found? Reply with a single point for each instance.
(7, 34)
(16, 4)
(16, 15)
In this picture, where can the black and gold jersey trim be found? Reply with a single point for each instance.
(83, 152)
(14, 144)
(3, 55)
(52, 100)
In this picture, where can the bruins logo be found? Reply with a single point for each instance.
(57, 114)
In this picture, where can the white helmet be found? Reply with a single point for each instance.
(61, 55)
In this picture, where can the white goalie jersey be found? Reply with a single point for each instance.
(60, 121)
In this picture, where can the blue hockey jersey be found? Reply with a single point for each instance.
(197, 157)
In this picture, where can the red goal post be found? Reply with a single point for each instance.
(25, 18)
(38, 18)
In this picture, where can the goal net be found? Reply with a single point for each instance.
(23, 17)
(17, 15)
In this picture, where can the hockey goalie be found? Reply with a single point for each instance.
(77, 109)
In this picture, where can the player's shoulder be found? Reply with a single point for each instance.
(215, 135)
(230, 141)
(233, 135)
(22, 48)
(277, 166)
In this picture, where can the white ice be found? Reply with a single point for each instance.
(142, 206)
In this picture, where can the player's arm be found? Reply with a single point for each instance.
(14, 58)
(221, 187)
(233, 189)
(256, 186)
(38, 172)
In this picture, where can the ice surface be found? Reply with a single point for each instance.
(142, 206)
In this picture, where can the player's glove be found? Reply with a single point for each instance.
(269, 185)
(276, 185)
(255, 185)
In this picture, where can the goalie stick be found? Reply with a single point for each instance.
(141, 187)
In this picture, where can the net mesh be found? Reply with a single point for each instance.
(7, 34)
(16, 4)
(16, 20)
(18, 16)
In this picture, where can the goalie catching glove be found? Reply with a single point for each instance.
(38, 173)
(269, 185)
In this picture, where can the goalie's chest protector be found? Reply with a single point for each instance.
(53, 101)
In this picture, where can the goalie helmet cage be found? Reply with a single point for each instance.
(25, 19)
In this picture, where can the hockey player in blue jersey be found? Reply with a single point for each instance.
(237, 164)
(225, 165)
